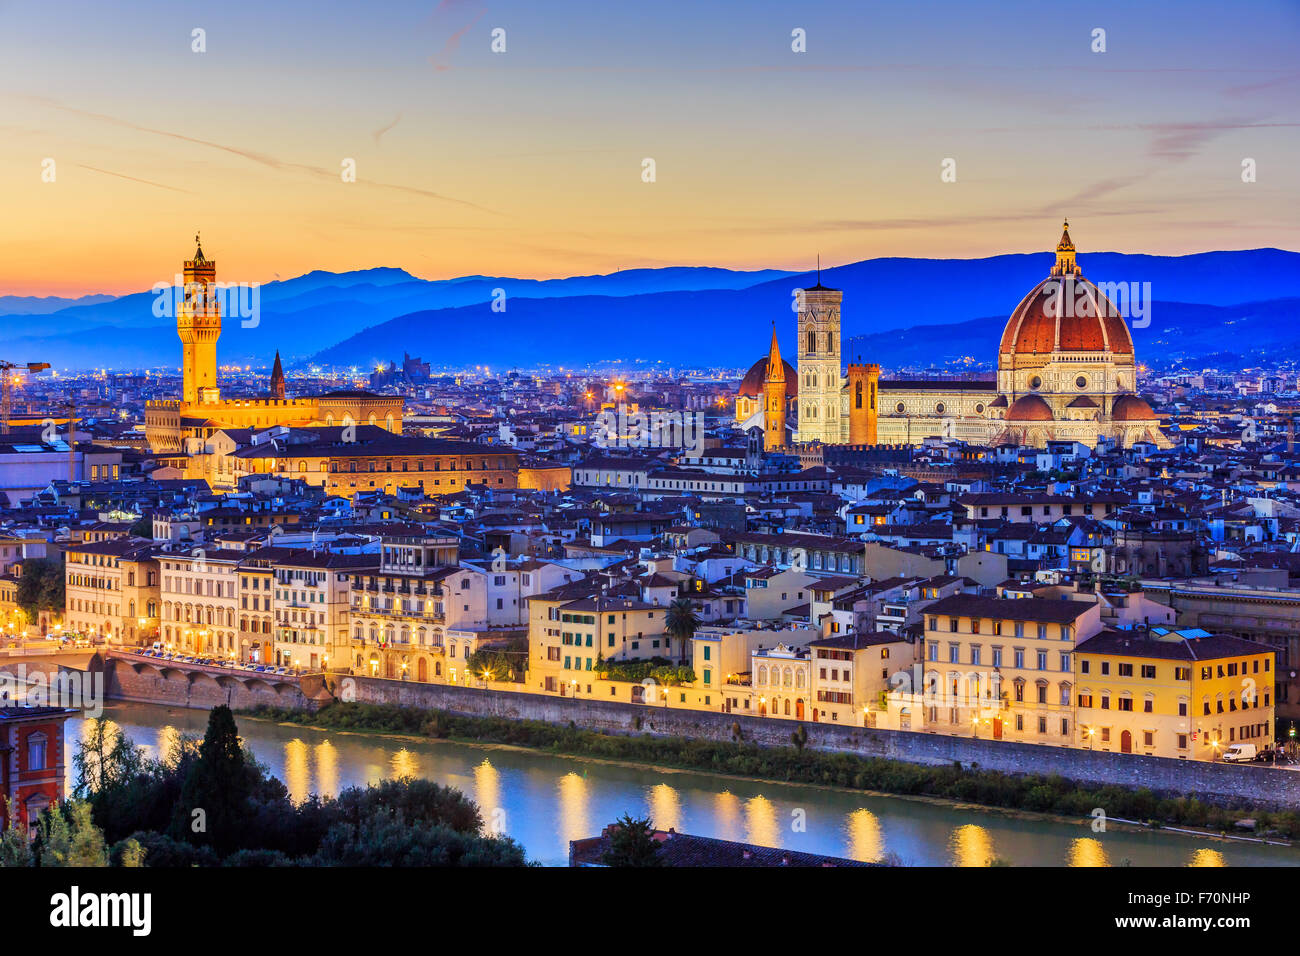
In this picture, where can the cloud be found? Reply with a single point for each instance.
(382, 130)
(263, 159)
(441, 61)
(147, 182)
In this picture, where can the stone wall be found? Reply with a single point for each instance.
(1256, 785)
(180, 686)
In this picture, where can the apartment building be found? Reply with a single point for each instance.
(1003, 667)
(568, 636)
(851, 674)
(112, 590)
(312, 606)
(1173, 692)
(200, 600)
(399, 610)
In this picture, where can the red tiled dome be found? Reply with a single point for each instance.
(751, 386)
(1048, 319)
(1029, 408)
(1130, 408)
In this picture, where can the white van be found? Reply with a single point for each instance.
(1240, 753)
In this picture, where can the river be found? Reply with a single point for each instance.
(544, 801)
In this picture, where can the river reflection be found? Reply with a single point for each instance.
(544, 801)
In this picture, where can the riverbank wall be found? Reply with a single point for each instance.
(1228, 785)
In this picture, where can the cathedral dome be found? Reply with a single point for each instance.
(751, 386)
(1130, 408)
(1029, 408)
(1065, 313)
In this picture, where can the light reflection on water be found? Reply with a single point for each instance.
(971, 845)
(864, 840)
(544, 801)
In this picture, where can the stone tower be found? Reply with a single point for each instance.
(821, 380)
(198, 323)
(277, 378)
(774, 398)
(863, 405)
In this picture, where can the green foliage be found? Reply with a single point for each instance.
(40, 586)
(800, 738)
(492, 665)
(147, 807)
(105, 758)
(632, 843)
(70, 838)
(659, 669)
(682, 623)
(15, 848)
(396, 842)
(217, 787)
(1052, 794)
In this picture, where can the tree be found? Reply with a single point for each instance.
(800, 738)
(15, 847)
(105, 759)
(682, 623)
(489, 664)
(71, 838)
(632, 843)
(40, 587)
(215, 795)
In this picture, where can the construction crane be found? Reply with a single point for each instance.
(70, 406)
(5, 400)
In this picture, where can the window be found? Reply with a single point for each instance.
(36, 752)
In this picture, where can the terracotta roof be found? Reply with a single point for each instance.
(1029, 408)
(751, 386)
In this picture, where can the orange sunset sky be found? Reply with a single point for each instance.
(529, 162)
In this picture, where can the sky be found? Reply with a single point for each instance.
(118, 141)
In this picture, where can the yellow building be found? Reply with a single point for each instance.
(179, 425)
(1169, 692)
(1003, 668)
(111, 589)
(851, 673)
(568, 637)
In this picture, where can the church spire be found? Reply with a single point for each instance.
(277, 378)
(775, 367)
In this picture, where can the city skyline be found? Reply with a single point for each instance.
(529, 162)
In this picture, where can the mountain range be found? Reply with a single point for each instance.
(898, 312)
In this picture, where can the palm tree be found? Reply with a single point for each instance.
(682, 623)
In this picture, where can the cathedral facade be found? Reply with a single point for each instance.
(178, 426)
(1066, 370)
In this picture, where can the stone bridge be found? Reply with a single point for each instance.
(135, 677)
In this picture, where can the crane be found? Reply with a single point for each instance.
(5, 401)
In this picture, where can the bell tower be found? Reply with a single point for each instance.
(821, 377)
(198, 323)
(774, 398)
(864, 383)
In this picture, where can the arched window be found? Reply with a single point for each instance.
(812, 341)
